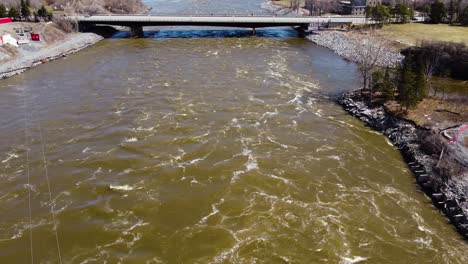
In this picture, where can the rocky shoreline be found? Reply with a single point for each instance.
(74, 43)
(422, 148)
(338, 41)
(419, 147)
(342, 42)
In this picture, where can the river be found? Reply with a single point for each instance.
(204, 146)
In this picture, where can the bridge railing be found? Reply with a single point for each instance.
(214, 15)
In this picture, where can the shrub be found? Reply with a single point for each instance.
(66, 25)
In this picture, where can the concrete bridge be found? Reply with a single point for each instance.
(137, 22)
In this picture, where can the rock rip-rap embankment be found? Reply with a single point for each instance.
(417, 147)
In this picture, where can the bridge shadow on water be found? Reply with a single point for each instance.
(213, 33)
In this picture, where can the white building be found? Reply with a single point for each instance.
(8, 39)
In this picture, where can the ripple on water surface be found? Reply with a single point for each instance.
(205, 150)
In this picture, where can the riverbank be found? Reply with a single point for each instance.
(54, 44)
(342, 43)
(440, 168)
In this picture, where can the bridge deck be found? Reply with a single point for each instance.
(228, 21)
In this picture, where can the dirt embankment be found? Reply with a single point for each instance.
(55, 43)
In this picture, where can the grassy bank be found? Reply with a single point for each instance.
(433, 113)
(413, 33)
(282, 3)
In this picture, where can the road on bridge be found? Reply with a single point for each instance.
(137, 22)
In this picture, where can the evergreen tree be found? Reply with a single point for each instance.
(425, 11)
(420, 82)
(369, 11)
(377, 80)
(3, 12)
(402, 13)
(14, 13)
(406, 92)
(380, 13)
(50, 16)
(451, 12)
(438, 12)
(388, 90)
(458, 10)
(42, 12)
(25, 11)
(463, 17)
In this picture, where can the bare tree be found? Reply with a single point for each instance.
(295, 4)
(311, 6)
(367, 52)
(430, 61)
(316, 7)
(101, 6)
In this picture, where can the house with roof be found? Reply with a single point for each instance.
(357, 7)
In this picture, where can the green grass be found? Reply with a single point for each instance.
(414, 33)
(285, 3)
(282, 3)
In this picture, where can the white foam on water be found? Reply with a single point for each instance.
(21, 227)
(212, 53)
(132, 139)
(319, 113)
(420, 221)
(138, 224)
(86, 150)
(121, 187)
(30, 187)
(253, 99)
(235, 123)
(236, 176)
(334, 157)
(145, 116)
(252, 161)
(388, 141)
(352, 260)
(10, 157)
(286, 181)
(296, 99)
(194, 181)
(93, 177)
(269, 114)
(423, 242)
(214, 211)
(149, 129)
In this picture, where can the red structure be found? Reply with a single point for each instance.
(5, 20)
(35, 37)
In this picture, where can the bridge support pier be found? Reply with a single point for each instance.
(254, 32)
(136, 31)
(302, 30)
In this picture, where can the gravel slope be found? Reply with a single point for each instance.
(342, 43)
(31, 55)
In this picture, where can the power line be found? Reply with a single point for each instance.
(48, 187)
(26, 134)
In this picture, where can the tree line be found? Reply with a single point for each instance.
(23, 11)
(410, 82)
(32, 9)
(451, 12)
(400, 13)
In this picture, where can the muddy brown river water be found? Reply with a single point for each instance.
(204, 146)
